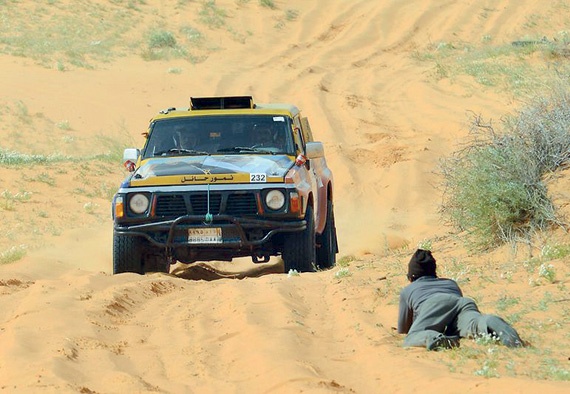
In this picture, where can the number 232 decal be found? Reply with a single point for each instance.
(257, 178)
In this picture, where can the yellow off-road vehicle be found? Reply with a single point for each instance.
(225, 178)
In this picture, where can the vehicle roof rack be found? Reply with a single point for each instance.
(230, 102)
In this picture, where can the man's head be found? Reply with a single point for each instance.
(421, 264)
(263, 134)
(186, 138)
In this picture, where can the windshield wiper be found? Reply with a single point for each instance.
(181, 151)
(245, 149)
(238, 149)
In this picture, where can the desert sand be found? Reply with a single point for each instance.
(68, 325)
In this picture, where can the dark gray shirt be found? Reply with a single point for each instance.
(413, 296)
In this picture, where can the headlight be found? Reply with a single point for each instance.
(138, 203)
(275, 199)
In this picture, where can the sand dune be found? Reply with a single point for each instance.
(68, 325)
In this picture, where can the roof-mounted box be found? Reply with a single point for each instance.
(233, 102)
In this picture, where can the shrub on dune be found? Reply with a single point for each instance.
(495, 186)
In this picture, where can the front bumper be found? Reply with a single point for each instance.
(236, 231)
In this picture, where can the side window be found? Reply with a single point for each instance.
(298, 135)
(306, 127)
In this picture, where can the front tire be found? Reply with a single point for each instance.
(328, 248)
(127, 254)
(299, 252)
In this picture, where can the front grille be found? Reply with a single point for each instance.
(241, 204)
(199, 203)
(174, 205)
(171, 205)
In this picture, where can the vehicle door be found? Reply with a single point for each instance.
(312, 176)
(321, 176)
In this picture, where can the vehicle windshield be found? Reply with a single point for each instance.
(220, 135)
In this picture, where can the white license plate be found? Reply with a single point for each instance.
(209, 235)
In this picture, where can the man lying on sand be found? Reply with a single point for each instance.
(434, 313)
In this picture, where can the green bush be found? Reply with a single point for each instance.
(494, 187)
(161, 39)
(267, 3)
(212, 15)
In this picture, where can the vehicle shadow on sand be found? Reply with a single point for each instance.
(209, 272)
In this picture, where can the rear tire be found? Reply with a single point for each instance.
(127, 254)
(299, 252)
(326, 252)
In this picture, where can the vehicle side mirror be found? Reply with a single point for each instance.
(130, 158)
(314, 150)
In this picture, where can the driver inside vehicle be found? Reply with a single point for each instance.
(186, 138)
(265, 135)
